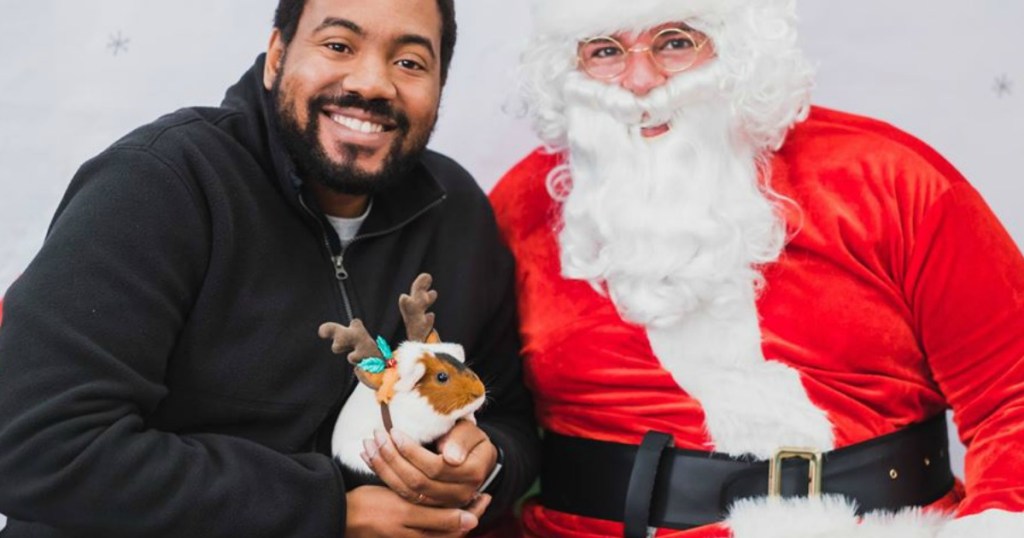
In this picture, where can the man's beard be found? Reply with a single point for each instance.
(311, 159)
(670, 225)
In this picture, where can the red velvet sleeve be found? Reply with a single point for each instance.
(965, 283)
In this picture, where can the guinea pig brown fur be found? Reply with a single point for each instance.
(448, 384)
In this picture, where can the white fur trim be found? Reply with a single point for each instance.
(988, 524)
(827, 517)
(581, 18)
(751, 406)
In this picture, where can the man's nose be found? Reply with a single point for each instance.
(370, 78)
(641, 74)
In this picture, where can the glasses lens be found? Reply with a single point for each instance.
(602, 57)
(676, 50)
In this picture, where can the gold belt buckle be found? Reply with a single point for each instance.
(813, 458)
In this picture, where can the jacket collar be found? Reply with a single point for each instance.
(394, 207)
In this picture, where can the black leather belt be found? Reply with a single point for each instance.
(656, 485)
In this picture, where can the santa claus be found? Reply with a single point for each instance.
(744, 315)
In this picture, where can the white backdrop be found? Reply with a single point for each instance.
(79, 74)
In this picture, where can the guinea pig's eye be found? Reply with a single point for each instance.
(442, 377)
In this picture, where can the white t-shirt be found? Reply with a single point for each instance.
(348, 228)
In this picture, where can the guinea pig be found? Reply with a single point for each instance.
(423, 388)
(434, 390)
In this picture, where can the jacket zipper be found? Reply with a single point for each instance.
(337, 262)
(341, 275)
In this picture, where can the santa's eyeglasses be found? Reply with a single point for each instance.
(672, 50)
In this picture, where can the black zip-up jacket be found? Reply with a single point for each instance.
(160, 370)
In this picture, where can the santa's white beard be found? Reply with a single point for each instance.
(671, 225)
(675, 230)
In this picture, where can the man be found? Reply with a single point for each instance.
(161, 373)
(711, 271)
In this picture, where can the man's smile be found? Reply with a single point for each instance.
(359, 127)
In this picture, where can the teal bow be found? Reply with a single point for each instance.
(376, 365)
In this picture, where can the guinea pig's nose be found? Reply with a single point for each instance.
(478, 387)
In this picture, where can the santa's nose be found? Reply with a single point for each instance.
(642, 75)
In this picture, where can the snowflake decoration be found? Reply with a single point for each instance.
(118, 43)
(1003, 86)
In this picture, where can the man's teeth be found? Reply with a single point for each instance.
(358, 125)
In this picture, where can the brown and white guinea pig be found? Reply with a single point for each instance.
(435, 389)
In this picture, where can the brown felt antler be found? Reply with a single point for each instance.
(419, 324)
(363, 346)
(355, 337)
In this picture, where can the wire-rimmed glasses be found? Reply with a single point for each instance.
(672, 50)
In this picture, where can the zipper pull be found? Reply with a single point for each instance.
(339, 267)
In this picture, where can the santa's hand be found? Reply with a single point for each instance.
(452, 478)
(374, 511)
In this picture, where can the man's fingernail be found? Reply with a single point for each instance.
(453, 453)
(467, 521)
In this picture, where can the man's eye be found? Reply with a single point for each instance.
(411, 64)
(339, 47)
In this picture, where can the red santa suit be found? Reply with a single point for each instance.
(898, 296)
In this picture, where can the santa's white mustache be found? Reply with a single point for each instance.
(657, 107)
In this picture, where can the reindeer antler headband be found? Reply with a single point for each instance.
(375, 366)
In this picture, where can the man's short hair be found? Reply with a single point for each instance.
(286, 19)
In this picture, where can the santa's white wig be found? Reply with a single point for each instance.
(679, 225)
(764, 74)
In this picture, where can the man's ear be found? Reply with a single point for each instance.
(275, 53)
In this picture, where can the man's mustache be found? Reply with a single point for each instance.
(378, 108)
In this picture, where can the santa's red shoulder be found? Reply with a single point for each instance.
(520, 198)
(829, 134)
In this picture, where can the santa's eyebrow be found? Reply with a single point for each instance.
(678, 25)
(681, 26)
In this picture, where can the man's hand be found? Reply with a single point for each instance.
(450, 479)
(377, 511)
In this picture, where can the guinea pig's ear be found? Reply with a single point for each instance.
(410, 376)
